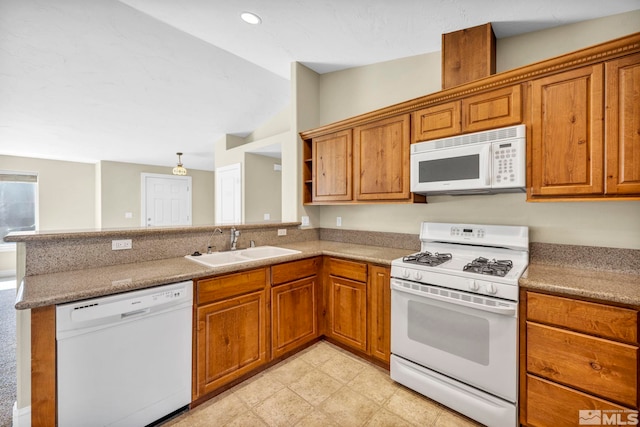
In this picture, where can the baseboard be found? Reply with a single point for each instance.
(22, 416)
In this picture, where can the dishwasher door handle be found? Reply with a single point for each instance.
(134, 313)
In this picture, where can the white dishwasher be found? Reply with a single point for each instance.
(124, 360)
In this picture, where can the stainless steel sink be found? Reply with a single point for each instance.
(219, 259)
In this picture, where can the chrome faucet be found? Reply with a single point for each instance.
(217, 230)
(234, 238)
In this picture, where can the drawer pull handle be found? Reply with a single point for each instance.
(596, 366)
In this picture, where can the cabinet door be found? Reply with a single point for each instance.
(293, 315)
(332, 167)
(231, 340)
(623, 126)
(567, 141)
(348, 312)
(381, 159)
(438, 121)
(379, 312)
(498, 108)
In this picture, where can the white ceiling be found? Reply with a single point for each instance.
(139, 80)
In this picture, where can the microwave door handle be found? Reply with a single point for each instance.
(486, 163)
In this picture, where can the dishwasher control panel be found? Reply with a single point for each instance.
(123, 306)
(168, 295)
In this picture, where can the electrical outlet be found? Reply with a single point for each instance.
(305, 221)
(282, 231)
(339, 221)
(267, 217)
(117, 245)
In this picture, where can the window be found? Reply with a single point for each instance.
(17, 203)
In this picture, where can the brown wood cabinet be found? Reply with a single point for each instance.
(438, 121)
(381, 160)
(567, 133)
(582, 111)
(379, 310)
(576, 355)
(467, 55)
(363, 164)
(623, 126)
(488, 110)
(346, 287)
(332, 167)
(584, 133)
(294, 305)
(231, 332)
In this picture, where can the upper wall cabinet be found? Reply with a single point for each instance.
(489, 110)
(585, 133)
(364, 164)
(381, 160)
(581, 109)
(331, 167)
(623, 126)
(567, 139)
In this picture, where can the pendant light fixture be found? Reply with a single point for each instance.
(179, 170)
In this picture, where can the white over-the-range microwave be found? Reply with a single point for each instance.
(476, 163)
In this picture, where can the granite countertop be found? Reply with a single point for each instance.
(607, 286)
(58, 288)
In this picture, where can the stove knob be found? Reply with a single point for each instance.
(473, 285)
(406, 273)
(417, 275)
(492, 289)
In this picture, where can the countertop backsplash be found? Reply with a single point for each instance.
(615, 260)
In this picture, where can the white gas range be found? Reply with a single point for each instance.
(454, 314)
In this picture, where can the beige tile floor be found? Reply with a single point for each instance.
(321, 386)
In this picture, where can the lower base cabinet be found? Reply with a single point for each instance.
(379, 309)
(346, 299)
(579, 362)
(245, 320)
(231, 329)
(294, 305)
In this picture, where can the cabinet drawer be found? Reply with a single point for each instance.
(218, 288)
(348, 269)
(597, 319)
(595, 365)
(550, 404)
(290, 271)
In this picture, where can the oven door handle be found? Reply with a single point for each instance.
(509, 310)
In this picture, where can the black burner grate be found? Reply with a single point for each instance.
(489, 267)
(427, 258)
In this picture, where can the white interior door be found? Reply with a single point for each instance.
(229, 194)
(166, 200)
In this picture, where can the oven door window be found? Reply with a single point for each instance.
(449, 169)
(462, 334)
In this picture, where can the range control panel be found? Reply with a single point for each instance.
(468, 232)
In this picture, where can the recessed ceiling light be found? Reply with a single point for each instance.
(250, 18)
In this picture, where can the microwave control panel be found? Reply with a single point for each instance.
(508, 163)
